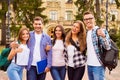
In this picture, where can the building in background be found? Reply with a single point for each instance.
(63, 11)
(59, 12)
(113, 14)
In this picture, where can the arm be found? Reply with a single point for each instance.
(48, 47)
(49, 54)
(13, 52)
(104, 38)
(14, 44)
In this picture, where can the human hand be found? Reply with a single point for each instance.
(14, 44)
(101, 33)
(19, 50)
(47, 69)
(48, 47)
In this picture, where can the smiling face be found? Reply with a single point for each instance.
(75, 28)
(23, 35)
(38, 26)
(89, 21)
(58, 33)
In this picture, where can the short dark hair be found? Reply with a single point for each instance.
(88, 12)
(37, 18)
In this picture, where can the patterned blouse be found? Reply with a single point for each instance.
(79, 59)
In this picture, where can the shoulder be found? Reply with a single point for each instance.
(31, 32)
(45, 35)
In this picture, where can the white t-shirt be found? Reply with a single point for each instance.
(22, 57)
(57, 54)
(36, 51)
(92, 59)
(70, 51)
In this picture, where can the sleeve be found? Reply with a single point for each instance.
(106, 41)
(49, 53)
(65, 54)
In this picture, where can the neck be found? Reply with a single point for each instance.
(38, 32)
(74, 37)
(90, 28)
(58, 38)
(23, 42)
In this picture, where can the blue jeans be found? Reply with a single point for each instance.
(14, 72)
(33, 75)
(96, 72)
(58, 73)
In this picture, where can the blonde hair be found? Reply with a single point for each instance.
(81, 36)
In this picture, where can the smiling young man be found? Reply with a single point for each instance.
(37, 44)
(96, 70)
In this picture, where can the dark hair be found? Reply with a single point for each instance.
(87, 12)
(37, 18)
(20, 33)
(63, 34)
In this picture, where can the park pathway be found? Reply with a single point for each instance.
(115, 75)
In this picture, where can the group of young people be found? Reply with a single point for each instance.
(65, 53)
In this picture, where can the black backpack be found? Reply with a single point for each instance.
(109, 58)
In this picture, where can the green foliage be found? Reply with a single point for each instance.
(26, 10)
(117, 3)
(14, 30)
(4, 9)
(87, 5)
(83, 5)
(115, 36)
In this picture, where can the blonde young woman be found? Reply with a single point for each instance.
(75, 51)
(19, 56)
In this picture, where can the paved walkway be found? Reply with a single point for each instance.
(115, 75)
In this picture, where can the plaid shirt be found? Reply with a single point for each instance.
(105, 42)
(79, 59)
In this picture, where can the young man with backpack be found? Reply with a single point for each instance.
(96, 70)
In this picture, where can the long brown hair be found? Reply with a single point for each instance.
(20, 33)
(81, 36)
(63, 33)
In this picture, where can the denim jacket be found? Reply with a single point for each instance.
(45, 39)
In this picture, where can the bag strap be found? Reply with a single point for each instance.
(74, 44)
(16, 58)
(98, 38)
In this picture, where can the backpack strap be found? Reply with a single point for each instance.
(16, 58)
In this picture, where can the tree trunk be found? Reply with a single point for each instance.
(97, 9)
(3, 27)
(3, 41)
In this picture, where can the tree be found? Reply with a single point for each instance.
(117, 3)
(26, 10)
(3, 21)
(88, 5)
(98, 13)
(83, 5)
